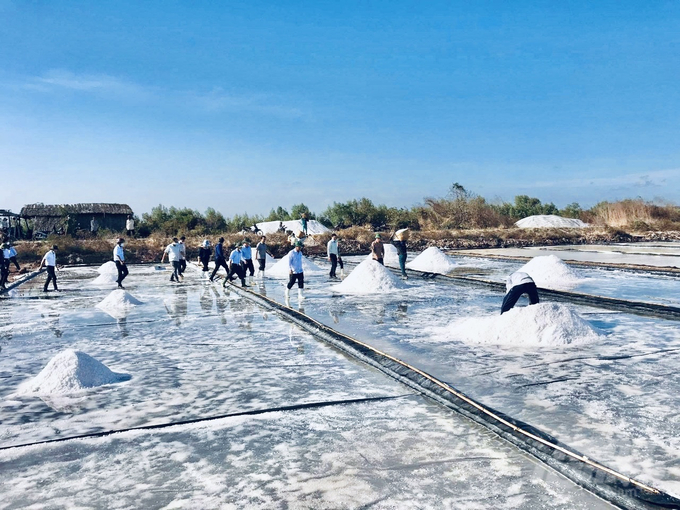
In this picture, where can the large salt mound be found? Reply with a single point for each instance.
(369, 277)
(391, 258)
(108, 268)
(118, 303)
(541, 324)
(550, 272)
(282, 270)
(549, 221)
(432, 260)
(105, 279)
(70, 371)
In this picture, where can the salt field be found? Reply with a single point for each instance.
(279, 419)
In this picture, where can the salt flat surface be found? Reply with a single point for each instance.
(666, 256)
(615, 398)
(214, 353)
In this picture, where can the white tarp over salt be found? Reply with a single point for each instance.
(549, 221)
(313, 227)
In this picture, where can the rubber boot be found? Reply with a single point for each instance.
(243, 283)
(286, 294)
(301, 296)
(257, 275)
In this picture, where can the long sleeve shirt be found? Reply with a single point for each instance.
(247, 253)
(129, 224)
(332, 248)
(236, 257)
(182, 251)
(12, 252)
(400, 246)
(118, 254)
(204, 254)
(517, 278)
(295, 261)
(7, 254)
(219, 251)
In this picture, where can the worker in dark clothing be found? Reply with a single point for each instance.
(50, 261)
(333, 254)
(4, 266)
(247, 260)
(519, 283)
(220, 259)
(119, 259)
(204, 253)
(399, 243)
(13, 256)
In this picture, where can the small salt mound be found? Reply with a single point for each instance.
(550, 272)
(549, 221)
(108, 268)
(118, 304)
(70, 371)
(369, 277)
(281, 269)
(541, 324)
(432, 260)
(105, 279)
(391, 258)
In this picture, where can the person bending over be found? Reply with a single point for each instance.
(236, 268)
(518, 283)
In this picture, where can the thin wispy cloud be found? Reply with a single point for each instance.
(214, 101)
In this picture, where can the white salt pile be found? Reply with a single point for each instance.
(105, 279)
(70, 371)
(391, 258)
(550, 272)
(541, 324)
(549, 221)
(432, 260)
(369, 277)
(108, 268)
(281, 269)
(118, 304)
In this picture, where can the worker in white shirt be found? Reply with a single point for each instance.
(172, 251)
(130, 226)
(119, 259)
(332, 252)
(236, 267)
(182, 257)
(296, 273)
(518, 283)
(50, 261)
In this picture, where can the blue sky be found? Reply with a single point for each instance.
(244, 106)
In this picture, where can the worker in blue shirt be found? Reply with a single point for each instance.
(220, 259)
(247, 253)
(296, 273)
(119, 259)
(235, 266)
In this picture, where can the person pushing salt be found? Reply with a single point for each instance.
(518, 283)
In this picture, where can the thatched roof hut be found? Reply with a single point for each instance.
(71, 217)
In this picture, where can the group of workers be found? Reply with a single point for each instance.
(8, 256)
(240, 265)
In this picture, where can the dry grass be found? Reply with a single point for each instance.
(637, 215)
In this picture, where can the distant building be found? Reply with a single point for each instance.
(69, 218)
(10, 226)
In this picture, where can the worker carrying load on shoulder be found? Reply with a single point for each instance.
(518, 283)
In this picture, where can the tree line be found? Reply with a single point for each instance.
(459, 209)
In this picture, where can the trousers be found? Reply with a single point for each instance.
(51, 277)
(122, 271)
(515, 293)
(299, 277)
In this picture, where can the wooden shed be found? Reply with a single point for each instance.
(69, 218)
